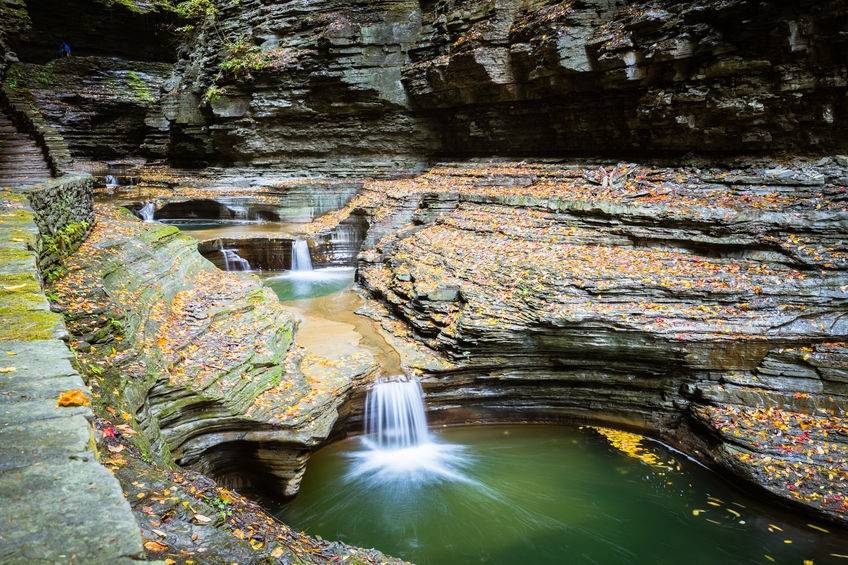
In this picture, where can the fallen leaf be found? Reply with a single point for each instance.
(155, 546)
(201, 519)
(73, 397)
(8, 370)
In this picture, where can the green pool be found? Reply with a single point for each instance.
(549, 494)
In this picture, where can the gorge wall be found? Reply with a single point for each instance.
(358, 87)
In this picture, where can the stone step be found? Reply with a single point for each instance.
(22, 161)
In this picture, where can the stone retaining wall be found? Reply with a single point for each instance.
(64, 215)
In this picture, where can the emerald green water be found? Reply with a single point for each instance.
(549, 494)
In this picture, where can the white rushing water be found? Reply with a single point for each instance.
(394, 414)
(301, 260)
(233, 261)
(398, 445)
(111, 181)
(147, 211)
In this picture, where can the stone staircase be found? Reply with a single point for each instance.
(22, 161)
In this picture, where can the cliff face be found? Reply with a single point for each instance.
(358, 87)
(405, 79)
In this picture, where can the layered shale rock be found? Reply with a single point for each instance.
(363, 87)
(333, 84)
(200, 358)
(707, 299)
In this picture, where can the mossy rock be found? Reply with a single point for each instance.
(29, 325)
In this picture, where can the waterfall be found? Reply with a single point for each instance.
(394, 414)
(111, 181)
(146, 212)
(233, 261)
(398, 445)
(301, 261)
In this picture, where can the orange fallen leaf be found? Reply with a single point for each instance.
(73, 397)
(155, 546)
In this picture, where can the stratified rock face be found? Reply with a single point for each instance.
(361, 82)
(201, 358)
(711, 299)
(104, 107)
(358, 87)
(544, 77)
(329, 95)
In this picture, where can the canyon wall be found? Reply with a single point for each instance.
(353, 88)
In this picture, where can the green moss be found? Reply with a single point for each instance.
(159, 233)
(139, 88)
(213, 93)
(9, 256)
(27, 325)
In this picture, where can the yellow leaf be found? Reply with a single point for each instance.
(8, 370)
(277, 553)
(74, 397)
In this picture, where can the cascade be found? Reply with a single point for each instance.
(398, 445)
(111, 181)
(301, 260)
(394, 414)
(233, 261)
(147, 211)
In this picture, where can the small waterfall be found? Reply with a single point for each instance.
(147, 211)
(398, 445)
(394, 414)
(233, 261)
(111, 181)
(301, 260)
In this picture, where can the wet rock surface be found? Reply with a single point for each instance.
(697, 302)
(199, 357)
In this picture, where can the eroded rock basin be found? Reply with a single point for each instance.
(534, 494)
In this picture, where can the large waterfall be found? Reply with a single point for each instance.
(398, 445)
(301, 260)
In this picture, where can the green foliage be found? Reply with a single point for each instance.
(241, 59)
(213, 93)
(139, 87)
(14, 78)
(197, 10)
(44, 76)
(221, 505)
(55, 273)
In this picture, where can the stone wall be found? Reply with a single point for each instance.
(64, 214)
